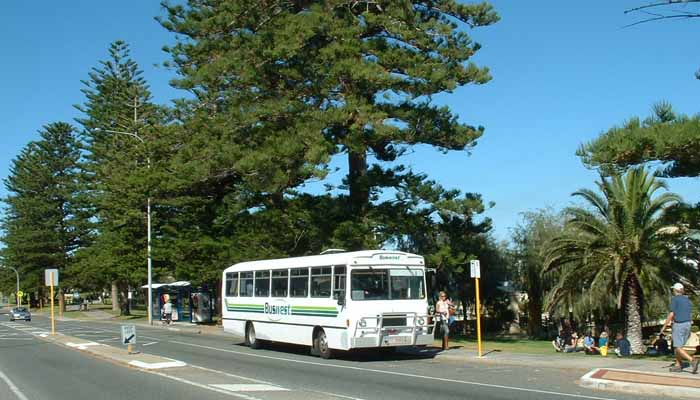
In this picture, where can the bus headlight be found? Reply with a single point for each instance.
(363, 323)
(421, 321)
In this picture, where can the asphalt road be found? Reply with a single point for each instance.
(34, 369)
(281, 372)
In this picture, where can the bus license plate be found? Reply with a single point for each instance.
(398, 340)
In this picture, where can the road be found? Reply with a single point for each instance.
(226, 369)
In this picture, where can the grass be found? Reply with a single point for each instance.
(526, 346)
(136, 314)
(510, 345)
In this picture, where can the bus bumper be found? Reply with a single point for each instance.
(392, 341)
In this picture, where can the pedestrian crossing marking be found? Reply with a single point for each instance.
(248, 387)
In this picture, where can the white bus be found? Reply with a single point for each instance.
(310, 301)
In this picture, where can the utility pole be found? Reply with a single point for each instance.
(149, 264)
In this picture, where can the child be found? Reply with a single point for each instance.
(623, 346)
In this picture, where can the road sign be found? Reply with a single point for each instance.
(128, 334)
(475, 268)
(20, 294)
(47, 277)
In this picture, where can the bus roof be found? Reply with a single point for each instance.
(364, 257)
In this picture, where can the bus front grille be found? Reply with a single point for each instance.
(394, 321)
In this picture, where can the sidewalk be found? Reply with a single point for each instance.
(630, 375)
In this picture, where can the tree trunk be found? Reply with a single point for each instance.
(633, 316)
(124, 308)
(357, 180)
(534, 317)
(61, 300)
(115, 296)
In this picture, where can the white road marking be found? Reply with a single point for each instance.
(148, 344)
(247, 387)
(203, 386)
(14, 338)
(82, 346)
(231, 375)
(12, 387)
(160, 365)
(109, 340)
(245, 378)
(434, 378)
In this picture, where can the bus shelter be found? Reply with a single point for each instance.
(188, 304)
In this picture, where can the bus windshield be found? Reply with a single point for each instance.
(387, 284)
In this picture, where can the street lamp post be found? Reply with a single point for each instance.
(148, 224)
(17, 274)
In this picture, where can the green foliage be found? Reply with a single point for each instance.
(119, 124)
(620, 249)
(530, 239)
(45, 220)
(665, 137)
(277, 90)
(282, 87)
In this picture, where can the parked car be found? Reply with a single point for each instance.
(20, 313)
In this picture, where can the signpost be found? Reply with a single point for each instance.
(20, 294)
(51, 279)
(129, 337)
(476, 274)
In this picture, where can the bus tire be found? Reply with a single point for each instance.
(251, 339)
(321, 345)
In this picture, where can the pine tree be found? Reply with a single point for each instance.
(279, 88)
(45, 221)
(119, 125)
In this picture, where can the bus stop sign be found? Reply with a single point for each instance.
(475, 267)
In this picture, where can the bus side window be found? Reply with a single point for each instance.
(232, 284)
(299, 282)
(321, 282)
(279, 283)
(262, 283)
(246, 286)
(338, 282)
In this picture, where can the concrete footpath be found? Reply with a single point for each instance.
(639, 376)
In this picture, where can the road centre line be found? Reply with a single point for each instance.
(12, 387)
(326, 365)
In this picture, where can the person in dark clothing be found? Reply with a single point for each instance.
(623, 348)
(679, 318)
(661, 345)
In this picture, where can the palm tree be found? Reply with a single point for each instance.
(619, 245)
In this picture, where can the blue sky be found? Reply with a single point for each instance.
(563, 72)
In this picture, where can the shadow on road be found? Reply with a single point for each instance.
(358, 355)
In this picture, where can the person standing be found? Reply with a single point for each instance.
(168, 311)
(442, 308)
(679, 318)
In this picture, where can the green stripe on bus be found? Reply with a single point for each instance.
(311, 313)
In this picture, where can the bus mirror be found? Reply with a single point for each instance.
(341, 299)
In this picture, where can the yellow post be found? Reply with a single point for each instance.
(478, 317)
(53, 322)
(19, 301)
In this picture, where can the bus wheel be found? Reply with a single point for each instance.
(250, 339)
(321, 345)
